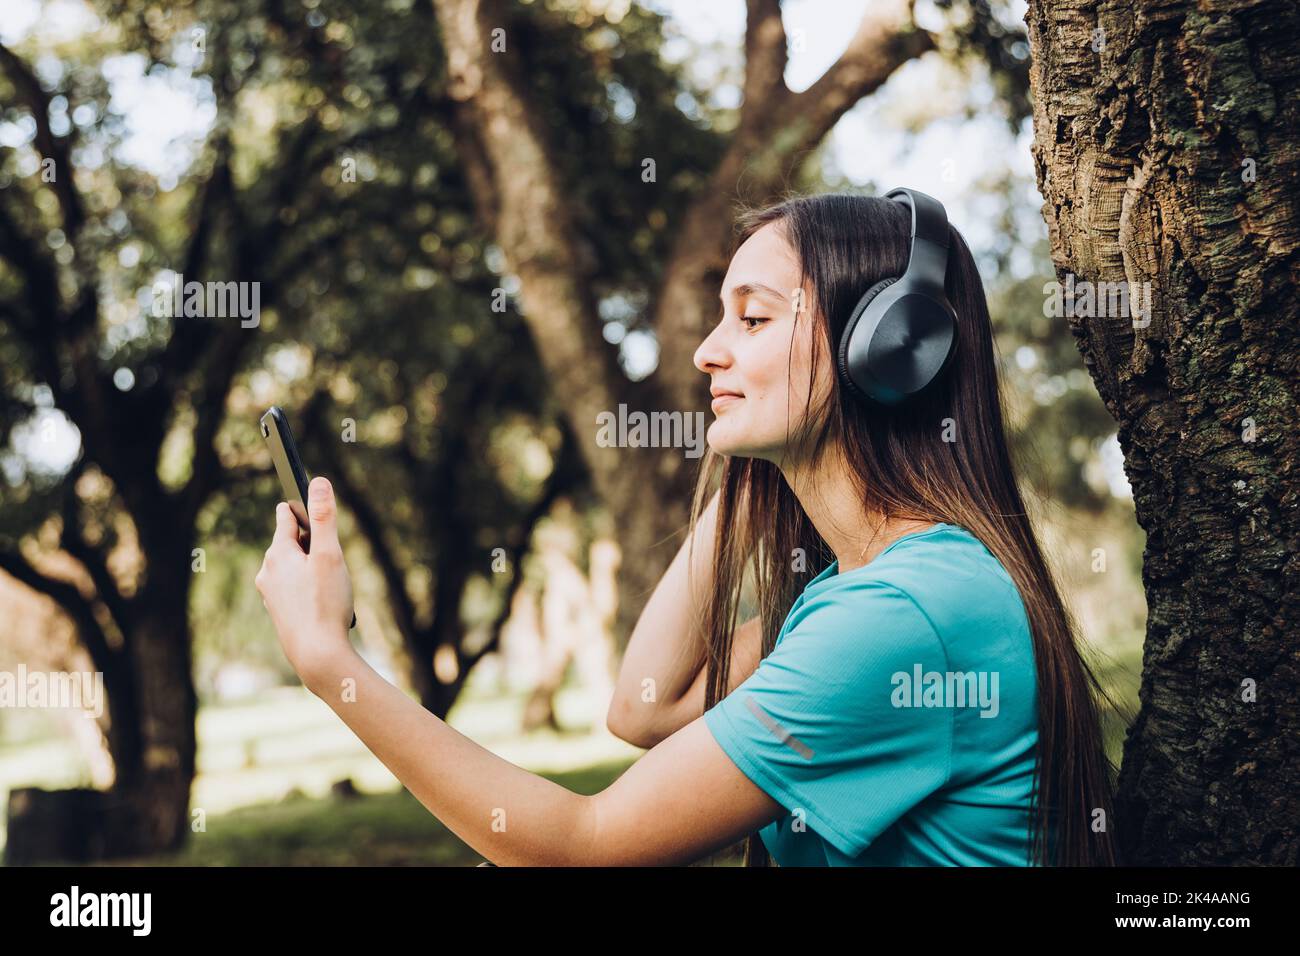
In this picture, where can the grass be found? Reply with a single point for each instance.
(267, 767)
(386, 829)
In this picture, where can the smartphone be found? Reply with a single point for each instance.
(293, 477)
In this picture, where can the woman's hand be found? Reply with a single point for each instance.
(309, 596)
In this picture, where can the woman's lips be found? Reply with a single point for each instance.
(722, 401)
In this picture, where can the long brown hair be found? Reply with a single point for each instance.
(906, 470)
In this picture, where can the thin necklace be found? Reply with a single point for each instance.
(872, 538)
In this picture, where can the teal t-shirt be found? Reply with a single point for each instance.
(896, 717)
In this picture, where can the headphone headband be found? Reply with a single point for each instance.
(927, 260)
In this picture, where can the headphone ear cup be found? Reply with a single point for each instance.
(859, 310)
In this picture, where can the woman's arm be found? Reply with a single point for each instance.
(681, 800)
(667, 647)
(668, 717)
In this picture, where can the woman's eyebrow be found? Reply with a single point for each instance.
(750, 288)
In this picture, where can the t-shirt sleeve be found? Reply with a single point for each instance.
(816, 725)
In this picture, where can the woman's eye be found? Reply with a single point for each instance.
(756, 319)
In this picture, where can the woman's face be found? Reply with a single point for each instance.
(758, 357)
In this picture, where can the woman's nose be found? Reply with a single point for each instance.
(711, 354)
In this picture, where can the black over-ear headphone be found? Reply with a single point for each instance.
(903, 331)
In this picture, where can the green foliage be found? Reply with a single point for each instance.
(387, 306)
(1059, 420)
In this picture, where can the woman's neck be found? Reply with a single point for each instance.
(834, 505)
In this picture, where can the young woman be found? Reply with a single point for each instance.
(920, 700)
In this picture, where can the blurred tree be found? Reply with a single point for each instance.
(1057, 422)
(449, 496)
(1165, 147)
(388, 236)
(84, 235)
(522, 177)
(71, 342)
(328, 178)
(458, 445)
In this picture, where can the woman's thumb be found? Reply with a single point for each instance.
(320, 503)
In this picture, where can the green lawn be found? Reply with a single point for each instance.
(267, 766)
(385, 829)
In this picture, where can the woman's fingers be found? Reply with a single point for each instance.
(286, 527)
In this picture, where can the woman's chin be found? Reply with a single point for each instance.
(724, 440)
(719, 441)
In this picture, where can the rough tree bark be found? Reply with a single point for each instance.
(511, 170)
(1165, 145)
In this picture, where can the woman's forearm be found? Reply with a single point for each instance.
(510, 816)
(667, 644)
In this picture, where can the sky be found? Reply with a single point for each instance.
(946, 160)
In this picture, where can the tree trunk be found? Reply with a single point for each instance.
(1165, 146)
(510, 167)
(146, 654)
(152, 788)
(152, 708)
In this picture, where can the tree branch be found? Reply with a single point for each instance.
(69, 599)
(765, 60)
(47, 144)
(774, 136)
(885, 39)
(534, 227)
(40, 284)
(225, 348)
(564, 477)
(74, 543)
(372, 528)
